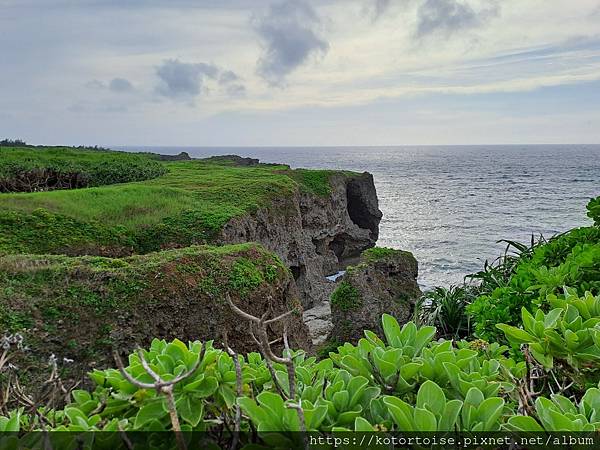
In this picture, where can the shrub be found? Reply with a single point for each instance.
(571, 259)
(566, 339)
(593, 208)
(407, 382)
(346, 297)
(43, 169)
(445, 308)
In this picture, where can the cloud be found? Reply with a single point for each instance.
(378, 7)
(179, 80)
(236, 90)
(289, 36)
(95, 84)
(446, 17)
(184, 81)
(228, 77)
(120, 85)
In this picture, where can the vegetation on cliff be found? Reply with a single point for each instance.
(187, 204)
(346, 296)
(81, 307)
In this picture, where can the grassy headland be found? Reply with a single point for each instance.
(183, 203)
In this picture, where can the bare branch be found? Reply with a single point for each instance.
(265, 346)
(147, 368)
(164, 387)
(128, 377)
(280, 317)
(242, 313)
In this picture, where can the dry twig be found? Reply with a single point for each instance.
(164, 387)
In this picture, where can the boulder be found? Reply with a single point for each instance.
(384, 281)
(318, 321)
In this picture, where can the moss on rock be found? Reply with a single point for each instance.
(78, 307)
(374, 254)
(346, 296)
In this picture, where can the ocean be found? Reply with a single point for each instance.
(449, 205)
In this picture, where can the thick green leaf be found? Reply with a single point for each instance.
(314, 416)
(12, 425)
(450, 415)
(516, 334)
(356, 388)
(362, 425)
(401, 412)
(391, 329)
(153, 410)
(190, 409)
(524, 423)
(340, 400)
(425, 420)
(489, 411)
(431, 397)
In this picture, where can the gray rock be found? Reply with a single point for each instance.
(385, 281)
(318, 321)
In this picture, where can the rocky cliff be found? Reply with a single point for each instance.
(314, 221)
(79, 308)
(314, 235)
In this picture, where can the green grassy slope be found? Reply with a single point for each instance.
(187, 205)
(80, 306)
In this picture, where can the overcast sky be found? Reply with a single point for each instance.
(300, 72)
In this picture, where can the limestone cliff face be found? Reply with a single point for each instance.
(314, 235)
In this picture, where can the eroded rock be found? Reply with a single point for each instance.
(385, 281)
(315, 235)
(318, 321)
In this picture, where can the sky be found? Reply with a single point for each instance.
(300, 72)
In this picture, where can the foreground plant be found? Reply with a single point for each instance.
(406, 381)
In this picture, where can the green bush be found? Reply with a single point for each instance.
(42, 169)
(446, 309)
(567, 338)
(346, 297)
(571, 259)
(593, 208)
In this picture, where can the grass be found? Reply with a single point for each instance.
(446, 309)
(189, 204)
(346, 297)
(374, 254)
